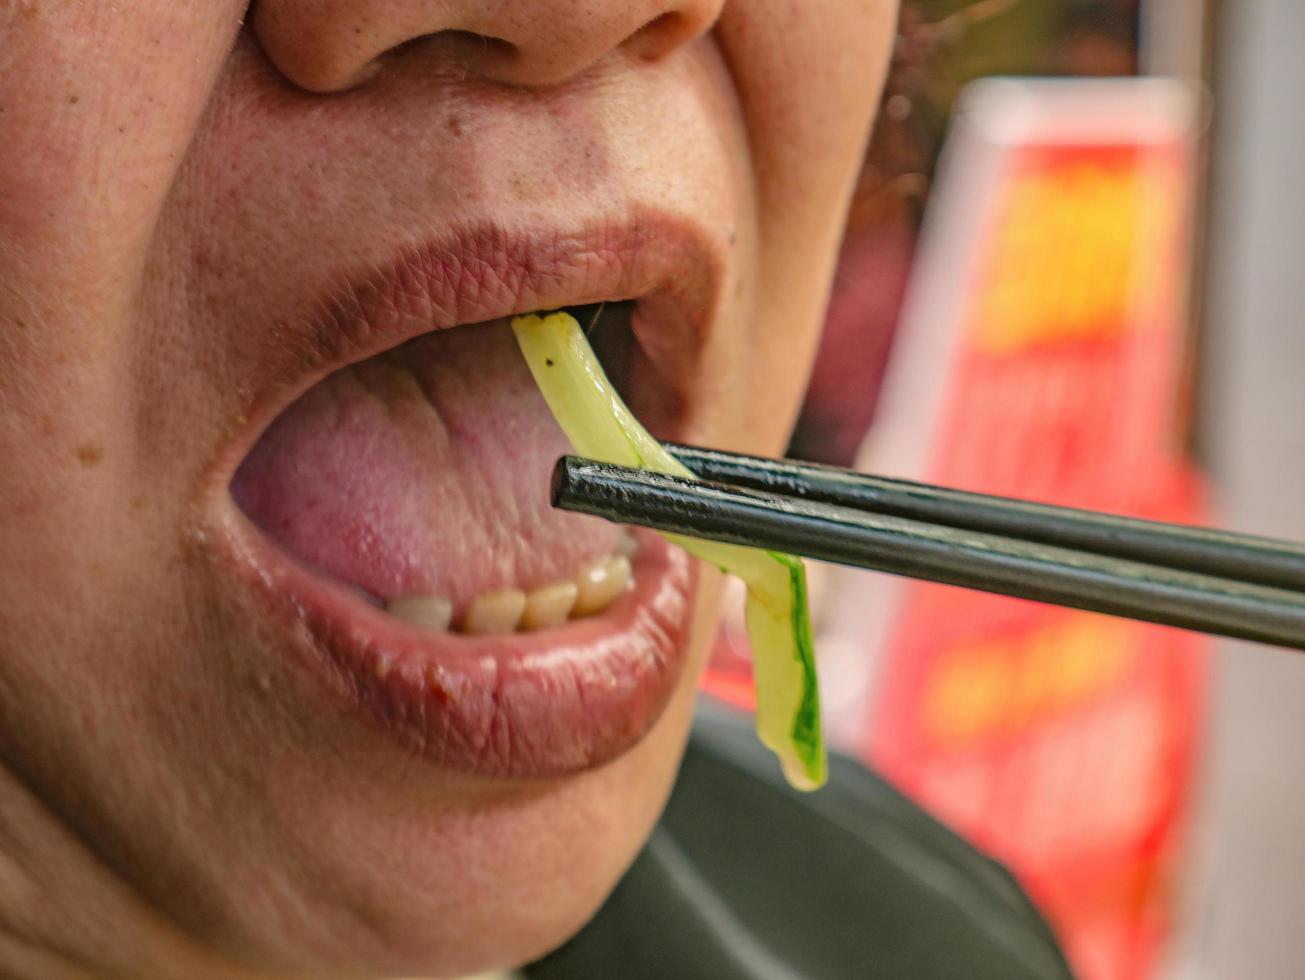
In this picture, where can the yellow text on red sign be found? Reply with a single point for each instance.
(1000, 686)
(1078, 247)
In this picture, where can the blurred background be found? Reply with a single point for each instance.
(1083, 292)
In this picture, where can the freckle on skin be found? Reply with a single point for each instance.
(89, 454)
(520, 186)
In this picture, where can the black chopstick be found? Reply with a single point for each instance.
(1244, 557)
(1004, 564)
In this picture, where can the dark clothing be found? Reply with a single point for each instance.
(747, 879)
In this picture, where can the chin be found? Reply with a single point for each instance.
(420, 871)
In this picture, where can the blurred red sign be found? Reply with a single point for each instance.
(1060, 741)
(1042, 355)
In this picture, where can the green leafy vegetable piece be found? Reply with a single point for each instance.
(600, 426)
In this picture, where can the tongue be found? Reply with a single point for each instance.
(423, 471)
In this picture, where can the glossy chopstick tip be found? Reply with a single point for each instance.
(561, 488)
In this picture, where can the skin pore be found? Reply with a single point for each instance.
(181, 182)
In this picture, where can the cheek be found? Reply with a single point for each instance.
(101, 101)
(98, 103)
(809, 94)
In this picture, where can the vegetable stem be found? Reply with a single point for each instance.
(600, 426)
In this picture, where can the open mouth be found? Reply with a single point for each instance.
(419, 478)
(401, 505)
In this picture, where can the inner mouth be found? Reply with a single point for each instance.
(419, 478)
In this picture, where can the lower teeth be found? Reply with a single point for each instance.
(549, 607)
(596, 586)
(430, 611)
(600, 583)
(494, 612)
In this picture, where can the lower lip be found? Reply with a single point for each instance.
(519, 706)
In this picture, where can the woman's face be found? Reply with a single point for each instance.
(235, 431)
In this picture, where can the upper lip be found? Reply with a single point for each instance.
(668, 264)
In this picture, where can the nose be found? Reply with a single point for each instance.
(332, 45)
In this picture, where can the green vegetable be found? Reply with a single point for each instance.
(599, 426)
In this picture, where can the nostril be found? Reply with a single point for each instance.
(460, 47)
(661, 22)
(662, 34)
(484, 44)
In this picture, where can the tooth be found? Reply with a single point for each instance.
(627, 545)
(433, 612)
(549, 606)
(600, 583)
(494, 612)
